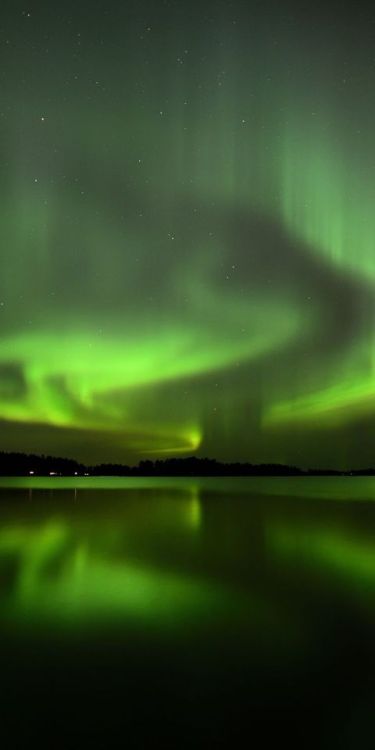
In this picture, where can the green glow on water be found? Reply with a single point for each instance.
(182, 558)
(87, 586)
(351, 559)
(125, 557)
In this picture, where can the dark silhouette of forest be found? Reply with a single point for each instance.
(23, 464)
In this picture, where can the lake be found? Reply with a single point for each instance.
(187, 612)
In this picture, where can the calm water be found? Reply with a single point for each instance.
(188, 612)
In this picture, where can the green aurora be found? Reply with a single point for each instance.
(187, 232)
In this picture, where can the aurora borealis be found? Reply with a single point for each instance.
(187, 231)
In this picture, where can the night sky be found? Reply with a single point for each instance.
(187, 232)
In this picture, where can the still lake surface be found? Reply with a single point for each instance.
(187, 612)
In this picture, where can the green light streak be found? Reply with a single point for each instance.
(336, 405)
(326, 200)
(348, 558)
(74, 379)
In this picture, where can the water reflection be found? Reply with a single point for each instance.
(132, 557)
(258, 593)
(78, 564)
(329, 551)
(161, 552)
